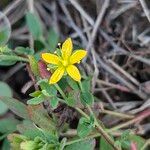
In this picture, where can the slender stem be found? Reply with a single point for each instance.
(82, 113)
(60, 91)
(102, 131)
(80, 84)
(146, 144)
(117, 114)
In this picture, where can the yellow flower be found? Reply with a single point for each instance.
(65, 62)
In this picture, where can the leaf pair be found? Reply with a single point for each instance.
(48, 92)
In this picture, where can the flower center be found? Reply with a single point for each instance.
(65, 63)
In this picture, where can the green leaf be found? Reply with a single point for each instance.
(35, 94)
(73, 84)
(84, 127)
(104, 145)
(71, 101)
(28, 129)
(11, 59)
(8, 125)
(5, 91)
(40, 117)
(3, 108)
(53, 39)
(86, 98)
(49, 90)
(16, 106)
(7, 62)
(39, 47)
(54, 102)
(36, 100)
(126, 139)
(63, 84)
(138, 140)
(34, 25)
(5, 29)
(86, 84)
(83, 145)
(34, 65)
(73, 98)
(24, 51)
(5, 49)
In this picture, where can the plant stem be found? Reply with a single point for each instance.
(102, 131)
(80, 85)
(60, 91)
(146, 144)
(117, 114)
(82, 113)
(98, 126)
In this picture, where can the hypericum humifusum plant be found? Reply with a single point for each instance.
(59, 83)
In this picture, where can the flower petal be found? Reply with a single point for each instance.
(73, 72)
(50, 58)
(67, 48)
(57, 75)
(77, 56)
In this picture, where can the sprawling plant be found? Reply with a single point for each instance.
(62, 95)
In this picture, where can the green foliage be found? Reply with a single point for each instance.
(53, 38)
(40, 117)
(7, 126)
(73, 84)
(54, 101)
(24, 143)
(104, 145)
(138, 140)
(4, 35)
(16, 106)
(39, 130)
(126, 138)
(70, 100)
(23, 51)
(5, 91)
(86, 98)
(36, 100)
(5, 29)
(34, 25)
(48, 92)
(85, 126)
(5, 51)
(83, 145)
(27, 128)
(86, 84)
